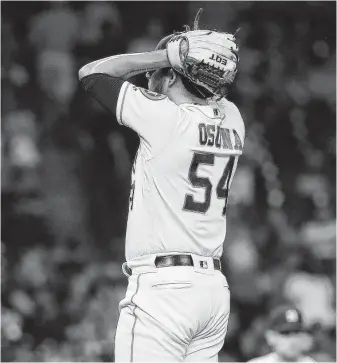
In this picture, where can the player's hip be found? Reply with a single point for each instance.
(177, 304)
(174, 271)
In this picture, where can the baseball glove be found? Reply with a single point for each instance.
(208, 58)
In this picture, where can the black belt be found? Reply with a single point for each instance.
(184, 260)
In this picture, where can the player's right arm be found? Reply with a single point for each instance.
(152, 116)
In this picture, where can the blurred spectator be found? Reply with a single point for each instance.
(98, 15)
(56, 75)
(313, 295)
(55, 29)
(54, 34)
(21, 149)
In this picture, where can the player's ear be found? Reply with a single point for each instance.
(270, 337)
(172, 77)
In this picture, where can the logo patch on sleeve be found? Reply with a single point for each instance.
(151, 95)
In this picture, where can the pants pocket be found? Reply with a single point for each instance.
(172, 285)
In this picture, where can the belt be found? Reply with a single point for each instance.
(183, 260)
(178, 260)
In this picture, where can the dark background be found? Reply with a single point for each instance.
(66, 172)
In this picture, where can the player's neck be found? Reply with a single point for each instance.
(179, 97)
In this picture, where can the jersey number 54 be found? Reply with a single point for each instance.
(198, 182)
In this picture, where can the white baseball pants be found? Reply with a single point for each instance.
(172, 314)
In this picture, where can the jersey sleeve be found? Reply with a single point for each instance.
(103, 88)
(153, 116)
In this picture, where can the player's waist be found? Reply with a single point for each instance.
(156, 261)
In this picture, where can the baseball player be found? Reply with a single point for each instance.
(177, 302)
(287, 337)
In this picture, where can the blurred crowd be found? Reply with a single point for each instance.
(66, 173)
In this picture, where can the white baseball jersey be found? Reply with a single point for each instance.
(274, 358)
(182, 172)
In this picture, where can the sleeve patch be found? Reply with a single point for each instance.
(151, 95)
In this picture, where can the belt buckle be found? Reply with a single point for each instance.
(203, 264)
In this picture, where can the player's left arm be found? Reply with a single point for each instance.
(153, 116)
(104, 78)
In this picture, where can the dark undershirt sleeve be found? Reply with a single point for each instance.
(104, 89)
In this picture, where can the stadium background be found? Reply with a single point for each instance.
(66, 166)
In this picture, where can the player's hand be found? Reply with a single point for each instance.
(207, 58)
